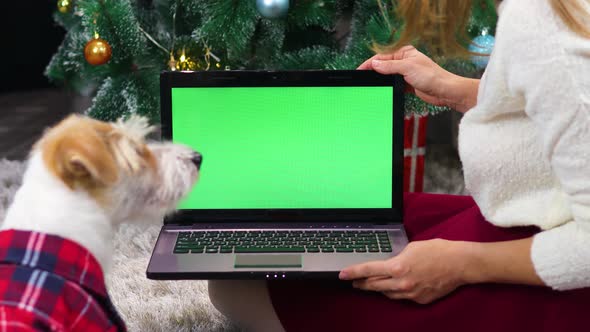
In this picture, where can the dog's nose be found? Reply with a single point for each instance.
(197, 159)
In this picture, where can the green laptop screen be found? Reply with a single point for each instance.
(287, 147)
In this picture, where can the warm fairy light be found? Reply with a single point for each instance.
(63, 6)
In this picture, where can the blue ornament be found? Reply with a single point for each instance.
(272, 8)
(483, 44)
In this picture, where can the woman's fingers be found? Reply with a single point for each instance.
(376, 285)
(395, 295)
(403, 52)
(365, 270)
(367, 64)
(391, 66)
(384, 285)
(400, 54)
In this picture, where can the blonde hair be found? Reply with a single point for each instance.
(441, 25)
(574, 14)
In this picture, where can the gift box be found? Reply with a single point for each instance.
(414, 151)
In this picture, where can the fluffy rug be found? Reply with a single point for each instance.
(145, 305)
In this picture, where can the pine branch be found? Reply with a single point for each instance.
(228, 25)
(305, 14)
(314, 57)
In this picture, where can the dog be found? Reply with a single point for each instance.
(84, 177)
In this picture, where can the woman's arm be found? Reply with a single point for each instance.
(498, 262)
(428, 270)
(548, 65)
(461, 93)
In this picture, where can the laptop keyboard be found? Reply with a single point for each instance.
(310, 241)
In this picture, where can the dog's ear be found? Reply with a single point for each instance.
(77, 152)
(87, 163)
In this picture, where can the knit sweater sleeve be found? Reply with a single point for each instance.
(549, 67)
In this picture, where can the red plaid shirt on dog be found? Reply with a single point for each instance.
(52, 284)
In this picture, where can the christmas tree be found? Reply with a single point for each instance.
(116, 49)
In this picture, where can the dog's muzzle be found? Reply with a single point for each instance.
(197, 159)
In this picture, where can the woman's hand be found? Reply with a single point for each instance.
(423, 272)
(426, 79)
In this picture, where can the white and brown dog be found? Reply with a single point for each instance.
(84, 177)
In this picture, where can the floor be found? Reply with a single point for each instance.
(25, 115)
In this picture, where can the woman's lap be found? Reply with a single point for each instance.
(335, 305)
(451, 217)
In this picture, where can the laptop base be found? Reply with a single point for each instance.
(166, 265)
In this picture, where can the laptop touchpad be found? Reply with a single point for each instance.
(262, 261)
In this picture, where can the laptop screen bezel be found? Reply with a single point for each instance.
(306, 78)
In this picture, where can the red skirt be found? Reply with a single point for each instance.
(336, 306)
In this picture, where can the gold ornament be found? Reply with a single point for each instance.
(186, 63)
(97, 51)
(64, 6)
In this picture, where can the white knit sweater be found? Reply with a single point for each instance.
(525, 147)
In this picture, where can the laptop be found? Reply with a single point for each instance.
(302, 173)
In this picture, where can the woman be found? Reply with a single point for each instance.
(516, 255)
